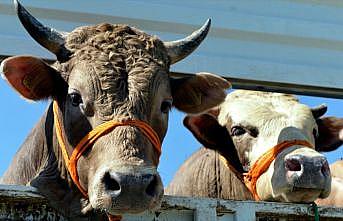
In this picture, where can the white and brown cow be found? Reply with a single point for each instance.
(247, 125)
(105, 75)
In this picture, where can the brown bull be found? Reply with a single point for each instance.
(242, 130)
(103, 73)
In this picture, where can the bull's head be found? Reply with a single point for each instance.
(248, 124)
(107, 72)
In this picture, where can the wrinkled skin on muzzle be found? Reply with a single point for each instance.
(115, 192)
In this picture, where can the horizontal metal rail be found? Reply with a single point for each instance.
(299, 89)
(25, 203)
(240, 83)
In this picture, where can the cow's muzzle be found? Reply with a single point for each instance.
(308, 172)
(116, 192)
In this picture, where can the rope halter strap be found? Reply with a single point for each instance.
(262, 164)
(89, 139)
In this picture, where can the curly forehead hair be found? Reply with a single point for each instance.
(121, 45)
(116, 53)
(115, 41)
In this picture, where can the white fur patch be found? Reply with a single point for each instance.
(254, 103)
(271, 114)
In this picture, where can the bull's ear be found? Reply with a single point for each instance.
(31, 77)
(330, 131)
(209, 133)
(198, 93)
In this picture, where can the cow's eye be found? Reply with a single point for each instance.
(75, 99)
(166, 106)
(237, 131)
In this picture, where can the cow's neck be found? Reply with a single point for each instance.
(39, 163)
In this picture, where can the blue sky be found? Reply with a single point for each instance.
(18, 116)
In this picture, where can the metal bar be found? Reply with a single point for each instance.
(205, 213)
(240, 83)
(173, 208)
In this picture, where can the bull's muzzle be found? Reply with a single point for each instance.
(130, 192)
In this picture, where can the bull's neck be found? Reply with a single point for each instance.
(53, 179)
(39, 163)
(33, 153)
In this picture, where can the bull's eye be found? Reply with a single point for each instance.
(166, 106)
(75, 99)
(237, 131)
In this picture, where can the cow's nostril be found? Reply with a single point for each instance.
(152, 187)
(293, 164)
(110, 182)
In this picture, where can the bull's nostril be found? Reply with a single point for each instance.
(293, 164)
(152, 187)
(110, 183)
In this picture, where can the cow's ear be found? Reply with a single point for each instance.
(330, 131)
(209, 133)
(31, 77)
(319, 111)
(198, 93)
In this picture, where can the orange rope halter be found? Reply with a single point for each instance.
(114, 217)
(90, 138)
(262, 164)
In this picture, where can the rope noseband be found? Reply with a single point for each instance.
(262, 164)
(89, 139)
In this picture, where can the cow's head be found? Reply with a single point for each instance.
(248, 124)
(107, 72)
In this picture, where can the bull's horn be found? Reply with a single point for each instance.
(178, 50)
(49, 38)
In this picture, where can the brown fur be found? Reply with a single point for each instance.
(205, 175)
(125, 61)
(119, 72)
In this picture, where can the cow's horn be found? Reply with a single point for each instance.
(178, 50)
(49, 38)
